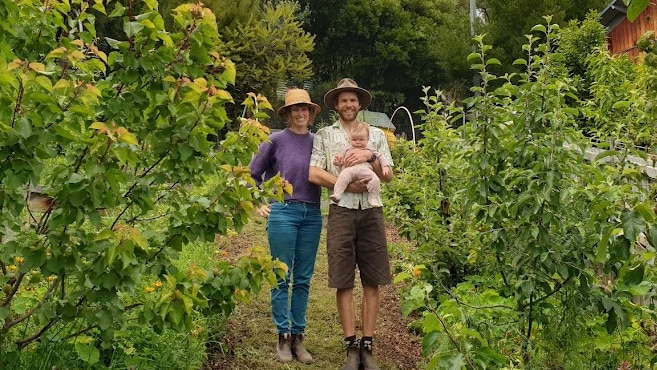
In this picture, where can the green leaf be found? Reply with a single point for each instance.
(603, 247)
(611, 322)
(454, 362)
(473, 56)
(607, 153)
(87, 353)
(402, 276)
(24, 128)
(623, 104)
(633, 225)
(176, 315)
(572, 111)
(636, 8)
(44, 82)
(633, 275)
(640, 289)
(539, 28)
(651, 235)
(98, 6)
(645, 211)
(230, 72)
(75, 178)
(131, 29)
(493, 61)
(151, 4)
(429, 342)
(487, 355)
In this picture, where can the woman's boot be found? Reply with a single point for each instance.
(284, 347)
(299, 350)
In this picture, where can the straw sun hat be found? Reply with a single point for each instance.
(299, 96)
(347, 84)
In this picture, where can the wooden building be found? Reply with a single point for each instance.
(622, 34)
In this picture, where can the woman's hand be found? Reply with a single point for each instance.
(264, 210)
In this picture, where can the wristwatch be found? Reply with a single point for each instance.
(372, 159)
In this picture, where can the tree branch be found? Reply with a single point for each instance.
(18, 320)
(454, 342)
(471, 306)
(553, 292)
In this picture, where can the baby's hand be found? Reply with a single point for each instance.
(386, 170)
(337, 161)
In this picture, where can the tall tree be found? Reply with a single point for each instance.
(270, 49)
(391, 47)
(506, 22)
(227, 13)
(264, 38)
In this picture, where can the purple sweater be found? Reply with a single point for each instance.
(289, 154)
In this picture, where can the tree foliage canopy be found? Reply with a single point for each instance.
(390, 47)
(530, 239)
(116, 140)
(505, 22)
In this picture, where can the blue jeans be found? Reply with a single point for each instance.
(293, 230)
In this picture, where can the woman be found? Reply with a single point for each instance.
(294, 225)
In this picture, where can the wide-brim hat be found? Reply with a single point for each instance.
(347, 84)
(299, 96)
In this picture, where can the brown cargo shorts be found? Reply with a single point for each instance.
(357, 237)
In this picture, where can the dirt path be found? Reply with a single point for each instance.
(250, 336)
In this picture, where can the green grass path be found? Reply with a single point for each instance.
(251, 336)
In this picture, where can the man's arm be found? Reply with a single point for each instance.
(357, 156)
(324, 179)
(321, 178)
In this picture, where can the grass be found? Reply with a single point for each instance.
(254, 335)
(246, 340)
(250, 333)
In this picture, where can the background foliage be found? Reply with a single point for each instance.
(117, 141)
(552, 244)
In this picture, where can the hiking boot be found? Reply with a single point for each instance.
(366, 358)
(353, 356)
(284, 347)
(299, 350)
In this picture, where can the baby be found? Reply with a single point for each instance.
(359, 139)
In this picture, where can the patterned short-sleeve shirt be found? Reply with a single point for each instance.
(330, 141)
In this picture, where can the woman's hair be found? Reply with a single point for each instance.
(287, 113)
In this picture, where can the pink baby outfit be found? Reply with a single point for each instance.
(357, 172)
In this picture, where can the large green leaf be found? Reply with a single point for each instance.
(633, 224)
(635, 8)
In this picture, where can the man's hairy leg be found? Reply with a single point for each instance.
(346, 311)
(370, 309)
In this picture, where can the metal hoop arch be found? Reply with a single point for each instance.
(410, 117)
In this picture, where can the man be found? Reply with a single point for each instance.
(355, 230)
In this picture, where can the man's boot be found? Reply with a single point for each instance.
(299, 350)
(284, 347)
(366, 358)
(353, 355)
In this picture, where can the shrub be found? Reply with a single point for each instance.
(116, 140)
